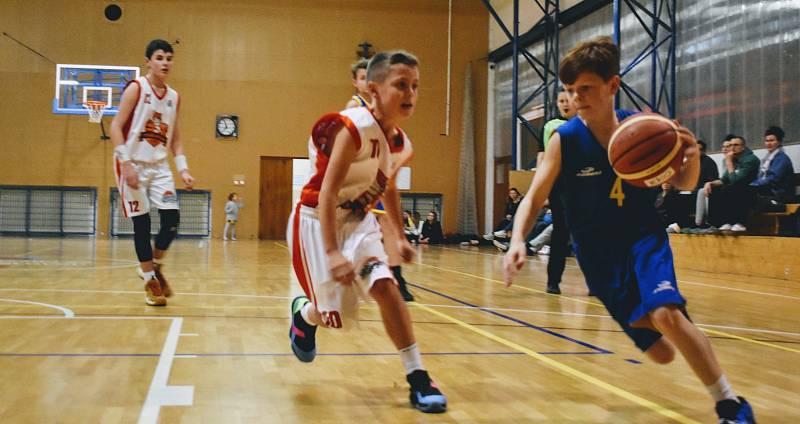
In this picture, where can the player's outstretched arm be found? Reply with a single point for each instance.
(686, 178)
(126, 105)
(543, 181)
(342, 155)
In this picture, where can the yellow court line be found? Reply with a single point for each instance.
(566, 369)
(746, 339)
(715, 332)
(588, 302)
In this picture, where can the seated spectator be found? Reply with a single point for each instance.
(544, 223)
(503, 229)
(729, 197)
(674, 207)
(708, 172)
(774, 186)
(431, 231)
(409, 227)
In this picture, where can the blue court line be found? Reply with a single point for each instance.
(273, 354)
(518, 321)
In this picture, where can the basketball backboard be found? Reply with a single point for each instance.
(75, 84)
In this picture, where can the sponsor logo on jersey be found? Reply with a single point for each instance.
(155, 131)
(147, 98)
(663, 286)
(589, 171)
(169, 197)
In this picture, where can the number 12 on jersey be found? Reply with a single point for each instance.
(617, 193)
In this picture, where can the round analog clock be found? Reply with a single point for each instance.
(227, 126)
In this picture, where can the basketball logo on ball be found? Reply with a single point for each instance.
(646, 150)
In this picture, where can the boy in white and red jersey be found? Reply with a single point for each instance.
(144, 130)
(400, 158)
(335, 241)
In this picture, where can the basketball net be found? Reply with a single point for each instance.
(95, 110)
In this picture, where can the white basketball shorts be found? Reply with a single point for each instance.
(156, 187)
(359, 241)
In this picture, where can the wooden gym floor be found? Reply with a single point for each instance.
(78, 344)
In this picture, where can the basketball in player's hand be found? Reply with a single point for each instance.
(645, 150)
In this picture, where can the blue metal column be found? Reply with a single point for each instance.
(546, 69)
(661, 30)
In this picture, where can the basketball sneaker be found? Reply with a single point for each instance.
(165, 288)
(301, 333)
(425, 395)
(730, 411)
(153, 295)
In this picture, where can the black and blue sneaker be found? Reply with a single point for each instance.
(302, 333)
(730, 411)
(425, 395)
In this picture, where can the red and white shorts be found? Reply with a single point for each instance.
(156, 188)
(359, 240)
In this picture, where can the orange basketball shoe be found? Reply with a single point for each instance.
(153, 295)
(165, 288)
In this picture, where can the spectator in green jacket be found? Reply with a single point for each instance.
(729, 197)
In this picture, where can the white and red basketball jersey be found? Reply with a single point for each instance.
(371, 168)
(148, 130)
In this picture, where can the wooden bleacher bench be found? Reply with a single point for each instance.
(775, 217)
(769, 222)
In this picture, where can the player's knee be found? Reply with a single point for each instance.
(384, 288)
(141, 237)
(666, 318)
(170, 219)
(661, 352)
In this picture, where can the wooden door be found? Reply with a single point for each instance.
(275, 197)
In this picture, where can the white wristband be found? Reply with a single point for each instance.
(180, 163)
(121, 153)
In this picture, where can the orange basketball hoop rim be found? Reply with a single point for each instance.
(95, 109)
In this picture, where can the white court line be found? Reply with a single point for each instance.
(680, 281)
(159, 393)
(739, 290)
(185, 356)
(66, 268)
(189, 334)
(754, 330)
(538, 258)
(258, 296)
(532, 311)
(67, 312)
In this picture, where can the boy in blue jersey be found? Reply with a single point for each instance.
(619, 242)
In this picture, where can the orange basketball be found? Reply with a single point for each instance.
(645, 150)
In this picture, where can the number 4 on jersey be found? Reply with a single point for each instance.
(617, 193)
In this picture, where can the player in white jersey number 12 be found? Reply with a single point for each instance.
(143, 133)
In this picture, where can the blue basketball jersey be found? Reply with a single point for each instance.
(600, 207)
(619, 241)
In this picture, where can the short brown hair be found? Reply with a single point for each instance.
(599, 56)
(379, 65)
(361, 64)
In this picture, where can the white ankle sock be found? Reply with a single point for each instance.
(721, 390)
(412, 360)
(148, 275)
(304, 313)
